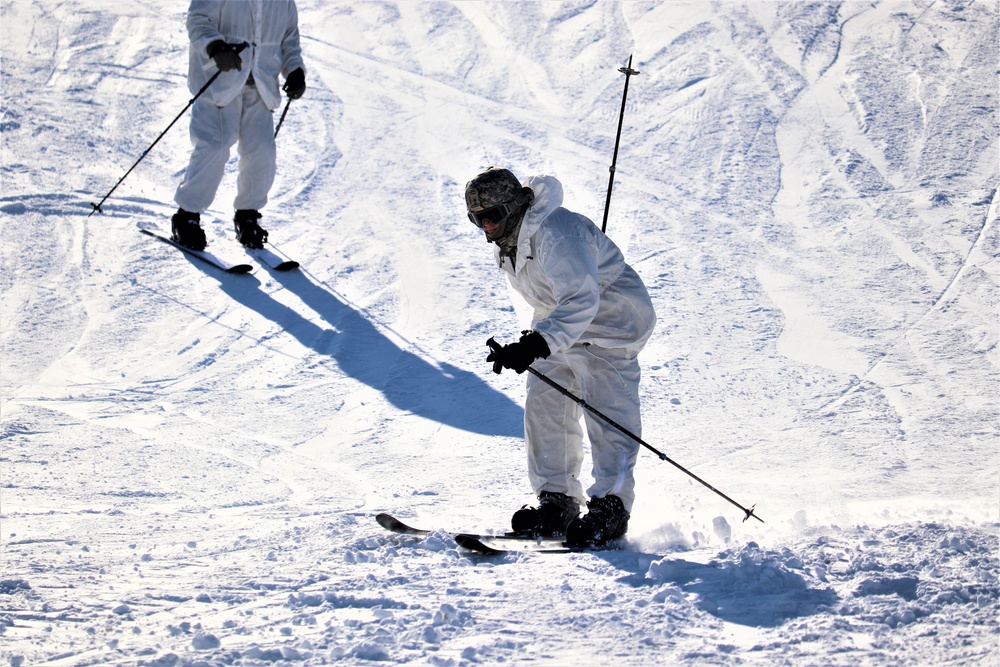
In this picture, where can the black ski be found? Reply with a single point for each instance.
(272, 259)
(203, 255)
(494, 545)
(481, 543)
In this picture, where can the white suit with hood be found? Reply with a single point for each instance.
(595, 314)
(237, 107)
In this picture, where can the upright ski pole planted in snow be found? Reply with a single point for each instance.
(97, 206)
(747, 512)
(627, 71)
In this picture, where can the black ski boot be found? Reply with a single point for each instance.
(248, 230)
(554, 511)
(186, 230)
(605, 521)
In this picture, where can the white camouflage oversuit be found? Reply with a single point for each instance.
(232, 110)
(595, 314)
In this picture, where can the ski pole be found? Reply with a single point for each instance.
(282, 119)
(748, 512)
(627, 71)
(97, 206)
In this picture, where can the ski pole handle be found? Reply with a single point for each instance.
(239, 49)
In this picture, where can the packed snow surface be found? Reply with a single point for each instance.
(192, 461)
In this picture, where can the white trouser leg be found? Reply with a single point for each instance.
(256, 151)
(553, 431)
(613, 388)
(608, 380)
(213, 132)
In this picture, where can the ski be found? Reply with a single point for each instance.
(481, 543)
(487, 544)
(203, 255)
(271, 259)
(394, 525)
(495, 545)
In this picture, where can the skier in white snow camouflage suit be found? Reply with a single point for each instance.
(592, 316)
(236, 107)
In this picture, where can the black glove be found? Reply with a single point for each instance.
(295, 84)
(226, 56)
(518, 356)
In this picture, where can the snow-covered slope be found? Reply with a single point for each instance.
(191, 461)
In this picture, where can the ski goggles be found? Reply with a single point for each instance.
(495, 214)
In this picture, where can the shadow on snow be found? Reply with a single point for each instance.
(750, 586)
(746, 590)
(443, 393)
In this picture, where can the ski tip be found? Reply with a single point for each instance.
(391, 523)
(272, 260)
(240, 268)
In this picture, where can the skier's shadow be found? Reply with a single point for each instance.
(751, 590)
(443, 393)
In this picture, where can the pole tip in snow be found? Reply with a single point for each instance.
(97, 209)
(751, 514)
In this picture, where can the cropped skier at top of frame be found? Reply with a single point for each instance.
(251, 42)
(592, 316)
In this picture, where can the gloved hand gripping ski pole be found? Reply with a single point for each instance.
(748, 512)
(295, 85)
(97, 206)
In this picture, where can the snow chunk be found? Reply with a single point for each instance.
(11, 586)
(669, 569)
(430, 635)
(369, 651)
(722, 529)
(750, 586)
(904, 587)
(448, 614)
(204, 642)
(437, 541)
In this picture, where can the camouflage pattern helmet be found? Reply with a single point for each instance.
(490, 188)
(496, 202)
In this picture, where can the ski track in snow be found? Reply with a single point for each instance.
(191, 461)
